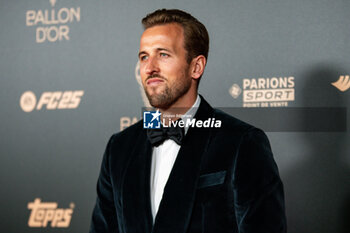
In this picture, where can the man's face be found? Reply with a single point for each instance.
(163, 67)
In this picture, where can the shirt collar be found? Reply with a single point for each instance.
(191, 112)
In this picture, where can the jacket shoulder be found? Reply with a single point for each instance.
(231, 123)
(128, 134)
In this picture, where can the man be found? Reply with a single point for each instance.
(191, 179)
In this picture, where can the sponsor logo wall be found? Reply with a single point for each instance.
(51, 100)
(343, 83)
(52, 25)
(265, 92)
(69, 81)
(45, 214)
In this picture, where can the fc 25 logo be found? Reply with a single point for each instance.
(51, 100)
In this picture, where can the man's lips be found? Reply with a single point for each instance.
(154, 81)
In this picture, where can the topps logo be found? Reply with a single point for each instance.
(51, 100)
(44, 213)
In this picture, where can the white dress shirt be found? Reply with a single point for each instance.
(163, 159)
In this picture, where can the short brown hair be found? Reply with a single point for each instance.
(195, 34)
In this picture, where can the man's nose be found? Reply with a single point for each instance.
(152, 66)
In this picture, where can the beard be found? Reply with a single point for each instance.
(169, 94)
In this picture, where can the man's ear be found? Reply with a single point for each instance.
(197, 66)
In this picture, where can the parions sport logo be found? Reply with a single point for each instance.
(44, 214)
(265, 92)
(51, 100)
(52, 24)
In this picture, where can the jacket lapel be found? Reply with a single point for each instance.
(136, 205)
(175, 209)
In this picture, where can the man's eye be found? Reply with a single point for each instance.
(164, 55)
(143, 58)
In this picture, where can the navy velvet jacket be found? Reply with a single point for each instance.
(223, 180)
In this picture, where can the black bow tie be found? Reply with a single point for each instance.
(158, 136)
